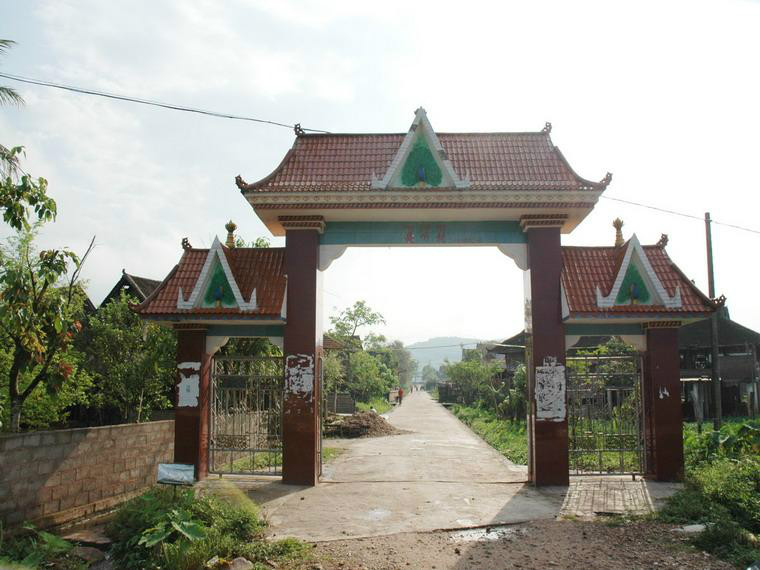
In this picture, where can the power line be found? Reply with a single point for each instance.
(150, 102)
(683, 215)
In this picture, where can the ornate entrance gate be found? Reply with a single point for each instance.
(605, 414)
(246, 415)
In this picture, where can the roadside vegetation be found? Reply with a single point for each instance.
(381, 405)
(722, 490)
(163, 529)
(366, 369)
(508, 437)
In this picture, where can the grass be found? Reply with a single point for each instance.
(382, 405)
(265, 460)
(508, 438)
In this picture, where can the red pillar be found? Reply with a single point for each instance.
(545, 355)
(302, 348)
(192, 400)
(662, 405)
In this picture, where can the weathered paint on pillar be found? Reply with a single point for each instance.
(545, 354)
(192, 400)
(662, 405)
(302, 349)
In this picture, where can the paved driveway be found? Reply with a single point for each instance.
(439, 475)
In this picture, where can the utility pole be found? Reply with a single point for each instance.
(717, 400)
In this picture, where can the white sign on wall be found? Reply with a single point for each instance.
(550, 391)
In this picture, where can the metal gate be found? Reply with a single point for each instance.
(246, 415)
(605, 414)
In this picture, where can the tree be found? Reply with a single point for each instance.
(472, 379)
(18, 190)
(352, 319)
(334, 374)
(41, 304)
(369, 378)
(259, 242)
(429, 377)
(8, 96)
(133, 361)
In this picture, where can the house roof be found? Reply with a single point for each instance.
(262, 269)
(730, 333)
(587, 268)
(140, 287)
(491, 161)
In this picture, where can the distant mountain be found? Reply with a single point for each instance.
(436, 350)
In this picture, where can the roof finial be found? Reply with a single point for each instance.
(663, 241)
(230, 227)
(186, 244)
(298, 130)
(547, 128)
(618, 225)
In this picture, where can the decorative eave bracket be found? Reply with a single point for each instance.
(420, 122)
(215, 252)
(660, 294)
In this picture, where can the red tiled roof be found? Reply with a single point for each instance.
(586, 268)
(262, 269)
(347, 162)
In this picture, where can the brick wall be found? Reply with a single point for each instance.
(53, 477)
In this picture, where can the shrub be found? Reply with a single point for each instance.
(162, 529)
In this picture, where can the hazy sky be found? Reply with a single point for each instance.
(663, 94)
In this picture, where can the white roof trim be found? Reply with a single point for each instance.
(439, 153)
(657, 288)
(201, 284)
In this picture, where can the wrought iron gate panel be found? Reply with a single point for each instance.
(246, 415)
(605, 414)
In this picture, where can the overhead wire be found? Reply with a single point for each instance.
(171, 106)
(682, 214)
(224, 115)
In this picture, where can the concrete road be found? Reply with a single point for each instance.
(439, 475)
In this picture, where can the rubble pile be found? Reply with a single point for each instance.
(360, 424)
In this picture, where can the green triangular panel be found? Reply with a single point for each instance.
(420, 166)
(219, 292)
(633, 288)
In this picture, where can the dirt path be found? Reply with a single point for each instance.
(571, 545)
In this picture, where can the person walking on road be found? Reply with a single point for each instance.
(400, 395)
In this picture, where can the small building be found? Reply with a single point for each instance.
(738, 348)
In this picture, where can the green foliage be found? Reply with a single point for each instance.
(259, 242)
(508, 438)
(474, 381)
(722, 490)
(394, 356)
(41, 304)
(133, 362)
(350, 320)
(160, 530)
(219, 292)
(32, 548)
(420, 166)
(369, 377)
(333, 372)
(633, 287)
(380, 404)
